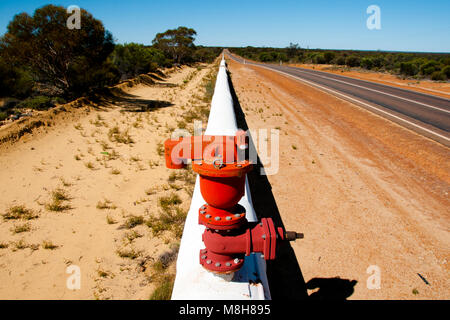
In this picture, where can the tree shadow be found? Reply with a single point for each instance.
(109, 97)
(284, 274)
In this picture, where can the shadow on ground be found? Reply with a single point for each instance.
(109, 97)
(116, 96)
(284, 274)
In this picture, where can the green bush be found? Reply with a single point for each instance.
(3, 116)
(446, 71)
(367, 63)
(340, 61)
(133, 59)
(14, 82)
(319, 59)
(39, 103)
(409, 68)
(352, 61)
(328, 56)
(438, 76)
(429, 67)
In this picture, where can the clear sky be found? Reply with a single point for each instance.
(405, 25)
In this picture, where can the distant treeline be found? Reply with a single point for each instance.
(435, 66)
(43, 62)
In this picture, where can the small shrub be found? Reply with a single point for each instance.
(89, 165)
(115, 135)
(48, 245)
(57, 206)
(107, 204)
(21, 228)
(115, 171)
(167, 202)
(438, 76)
(133, 221)
(3, 116)
(129, 253)
(60, 195)
(38, 103)
(160, 149)
(19, 212)
(110, 220)
(164, 290)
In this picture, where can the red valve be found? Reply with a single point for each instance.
(224, 250)
(220, 162)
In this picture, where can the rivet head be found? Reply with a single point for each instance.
(228, 264)
(217, 264)
(202, 211)
(208, 216)
(263, 236)
(239, 165)
(217, 218)
(228, 218)
(237, 215)
(204, 257)
(203, 207)
(237, 260)
(208, 261)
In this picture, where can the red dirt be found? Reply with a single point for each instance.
(366, 191)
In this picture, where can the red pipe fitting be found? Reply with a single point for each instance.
(224, 251)
(220, 162)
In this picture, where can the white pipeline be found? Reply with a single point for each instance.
(192, 281)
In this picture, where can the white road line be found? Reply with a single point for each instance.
(377, 91)
(382, 84)
(358, 101)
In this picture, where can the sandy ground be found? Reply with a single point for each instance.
(365, 191)
(107, 183)
(438, 88)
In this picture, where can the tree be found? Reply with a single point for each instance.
(319, 58)
(409, 68)
(367, 63)
(328, 56)
(68, 62)
(340, 61)
(176, 43)
(352, 61)
(292, 50)
(14, 82)
(133, 59)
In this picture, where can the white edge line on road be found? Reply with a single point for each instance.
(381, 84)
(374, 90)
(358, 101)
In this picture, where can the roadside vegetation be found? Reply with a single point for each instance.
(433, 66)
(39, 70)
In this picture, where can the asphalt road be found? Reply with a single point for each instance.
(426, 114)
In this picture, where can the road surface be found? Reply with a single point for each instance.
(426, 114)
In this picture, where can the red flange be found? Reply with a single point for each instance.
(219, 263)
(219, 219)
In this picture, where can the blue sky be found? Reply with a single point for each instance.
(405, 25)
